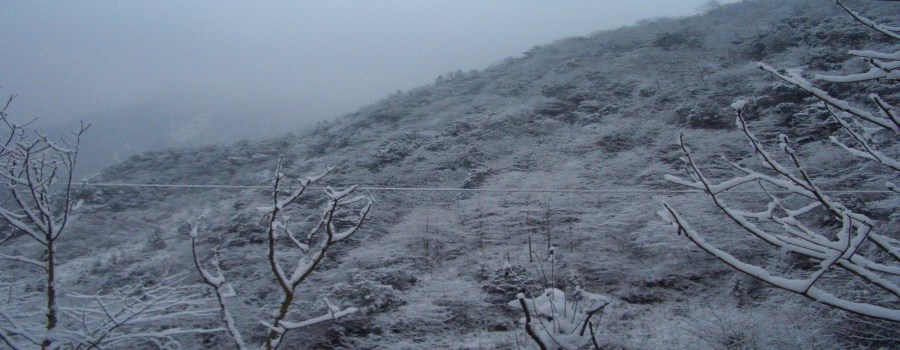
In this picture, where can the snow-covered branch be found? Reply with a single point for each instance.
(840, 249)
(890, 31)
(313, 248)
(333, 313)
(793, 77)
(155, 311)
(20, 326)
(38, 178)
(221, 289)
(804, 287)
(133, 314)
(862, 137)
(860, 125)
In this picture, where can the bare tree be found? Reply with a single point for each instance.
(38, 177)
(33, 167)
(859, 245)
(312, 247)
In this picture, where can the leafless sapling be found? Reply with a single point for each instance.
(40, 201)
(312, 248)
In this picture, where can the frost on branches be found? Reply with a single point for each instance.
(864, 132)
(785, 224)
(554, 322)
(312, 246)
(858, 245)
(39, 204)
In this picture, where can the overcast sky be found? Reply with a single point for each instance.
(285, 62)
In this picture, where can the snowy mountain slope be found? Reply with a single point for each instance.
(598, 112)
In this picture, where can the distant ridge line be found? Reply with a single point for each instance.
(449, 189)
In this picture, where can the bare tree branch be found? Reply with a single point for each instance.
(38, 174)
(797, 237)
(319, 239)
(837, 250)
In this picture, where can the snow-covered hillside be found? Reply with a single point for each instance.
(437, 269)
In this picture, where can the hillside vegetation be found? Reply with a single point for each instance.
(601, 112)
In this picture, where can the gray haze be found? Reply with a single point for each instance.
(219, 71)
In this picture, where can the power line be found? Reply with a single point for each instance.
(452, 189)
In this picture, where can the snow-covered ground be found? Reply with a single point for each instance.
(437, 269)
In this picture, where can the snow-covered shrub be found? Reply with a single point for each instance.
(245, 229)
(366, 291)
(680, 39)
(476, 177)
(777, 93)
(594, 106)
(621, 89)
(554, 321)
(722, 325)
(766, 45)
(458, 129)
(553, 108)
(155, 241)
(342, 335)
(396, 149)
(709, 6)
(824, 59)
(508, 281)
(469, 158)
(804, 123)
(615, 142)
(562, 91)
(704, 115)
